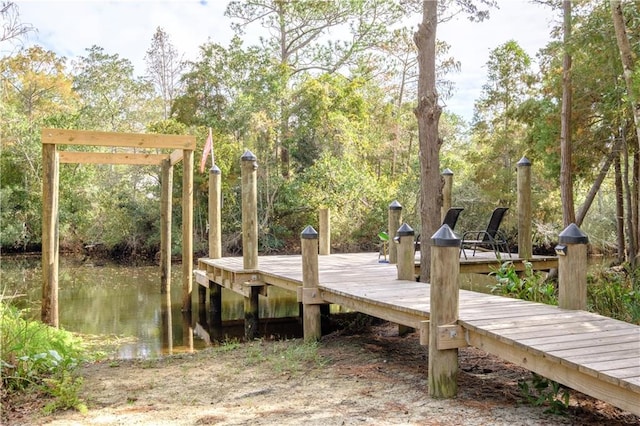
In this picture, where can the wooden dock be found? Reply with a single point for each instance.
(596, 355)
(485, 262)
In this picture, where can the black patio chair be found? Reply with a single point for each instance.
(491, 238)
(450, 218)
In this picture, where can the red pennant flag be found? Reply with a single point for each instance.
(205, 153)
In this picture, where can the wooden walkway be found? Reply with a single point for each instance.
(596, 355)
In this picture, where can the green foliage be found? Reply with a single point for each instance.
(530, 285)
(610, 292)
(36, 356)
(542, 391)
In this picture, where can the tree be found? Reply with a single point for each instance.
(428, 113)
(112, 98)
(12, 28)
(566, 179)
(633, 96)
(164, 68)
(302, 40)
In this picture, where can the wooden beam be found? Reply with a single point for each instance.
(111, 158)
(50, 239)
(134, 140)
(187, 230)
(175, 157)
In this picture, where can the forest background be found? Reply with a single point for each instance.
(332, 124)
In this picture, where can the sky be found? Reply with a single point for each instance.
(126, 27)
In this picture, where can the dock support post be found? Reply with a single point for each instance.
(393, 221)
(215, 239)
(311, 318)
(572, 268)
(249, 210)
(187, 229)
(445, 268)
(50, 239)
(325, 231)
(525, 247)
(165, 226)
(406, 253)
(251, 313)
(447, 190)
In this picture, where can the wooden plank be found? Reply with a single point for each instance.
(134, 140)
(111, 158)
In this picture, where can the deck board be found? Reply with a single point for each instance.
(594, 354)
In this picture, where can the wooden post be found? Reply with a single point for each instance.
(572, 268)
(525, 247)
(249, 210)
(165, 226)
(215, 239)
(187, 229)
(406, 253)
(394, 218)
(251, 313)
(325, 231)
(50, 241)
(167, 323)
(215, 215)
(311, 318)
(215, 303)
(445, 268)
(447, 190)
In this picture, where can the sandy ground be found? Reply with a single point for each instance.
(372, 378)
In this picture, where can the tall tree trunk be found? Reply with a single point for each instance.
(566, 180)
(584, 208)
(619, 209)
(428, 115)
(631, 238)
(626, 56)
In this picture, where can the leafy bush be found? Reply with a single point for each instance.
(531, 285)
(36, 356)
(610, 292)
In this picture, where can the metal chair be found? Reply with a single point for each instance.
(450, 218)
(491, 238)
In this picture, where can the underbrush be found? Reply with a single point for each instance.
(38, 358)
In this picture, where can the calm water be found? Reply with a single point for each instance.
(124, 302)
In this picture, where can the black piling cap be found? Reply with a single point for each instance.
(395, 205)
(215, 170)
(404, 231)
(309, 233)
(248, 156)
(573, 235)
(447, 172)
(444, 237)
(524, 162)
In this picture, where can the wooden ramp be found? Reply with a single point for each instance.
(596, 355)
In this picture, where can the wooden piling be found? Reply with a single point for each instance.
(406, 253)
(525, 247)
(50, 240)
(311, 317)
(215, 239)
(394, 219)
(165, 226)
(215, 215)
(445, 268)
(187, 229)
(325, 231)
(251, 313)
(572, 268)
(447, 191)
(249, 210)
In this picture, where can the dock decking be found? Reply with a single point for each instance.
(596, 355)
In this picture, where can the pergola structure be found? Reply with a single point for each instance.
(182, 146)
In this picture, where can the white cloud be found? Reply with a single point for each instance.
(126, 28)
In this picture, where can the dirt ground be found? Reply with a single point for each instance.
(372, 378)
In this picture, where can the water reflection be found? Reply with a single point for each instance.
(124, 301)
